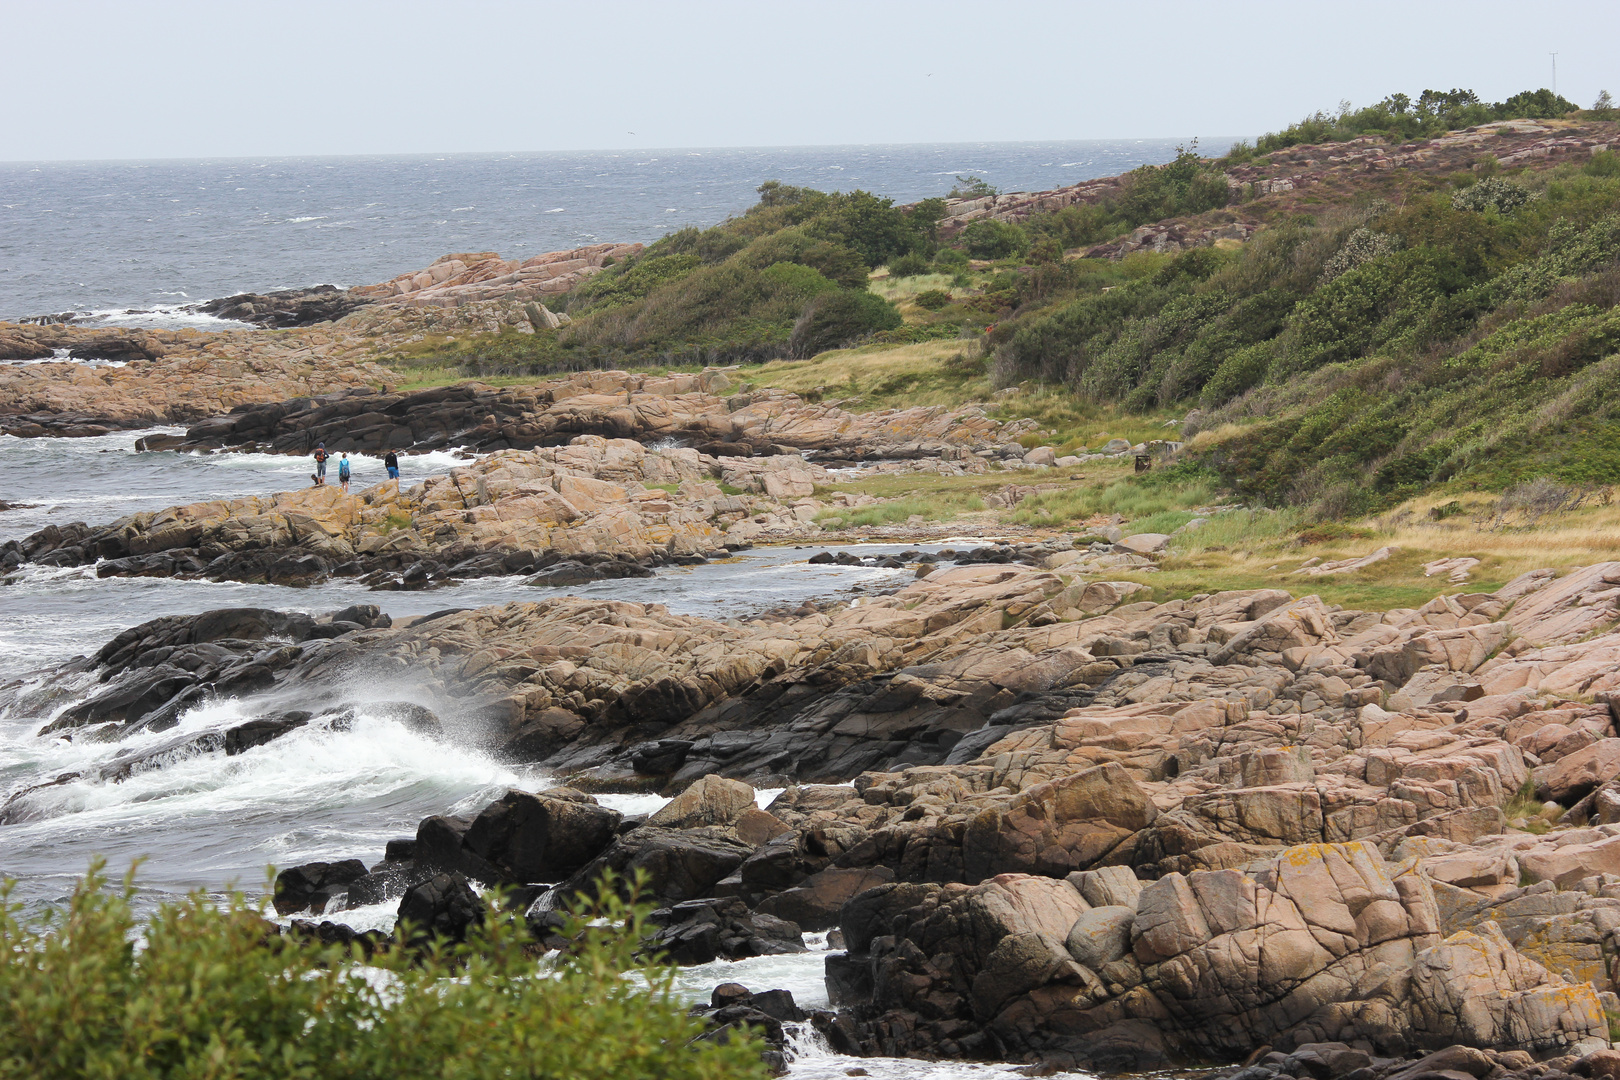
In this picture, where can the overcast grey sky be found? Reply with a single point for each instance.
(131, 79)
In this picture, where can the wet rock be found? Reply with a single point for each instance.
(541, 837)
(387, 881)
(129, 762)
(417, 718)
(702, 931)
(569, 574)
(815, 902)
(287, 307)
(313, 886)
(680, 864)
(327, 932)
(543, 734)
(244, 737)
(443, 906)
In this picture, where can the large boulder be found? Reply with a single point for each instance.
(1068, 824)
(444, 906)
(712, 800)
(541, 837)
(701, 931)
(815, 902)
(313, 885)
(1475, 988)
(678, 864)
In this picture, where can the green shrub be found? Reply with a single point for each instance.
(950, 260)
(991, 239)
(839, 318)
(933, 299)
(867, 224)
(211, 991)
(1493, 193)
(1187, 185)
(909, 265)
(1078, 226)
(1362, 245)
(1603, 163)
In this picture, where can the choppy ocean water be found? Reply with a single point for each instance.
(151, 235)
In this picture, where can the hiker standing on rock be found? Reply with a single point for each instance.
(344, 473)
(391, 463)
(320, 464)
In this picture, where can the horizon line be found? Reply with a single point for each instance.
(441, 154)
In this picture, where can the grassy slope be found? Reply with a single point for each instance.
(1268, 430)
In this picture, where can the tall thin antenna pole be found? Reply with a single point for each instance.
(1555, 75)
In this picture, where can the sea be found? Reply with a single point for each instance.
(133, 243)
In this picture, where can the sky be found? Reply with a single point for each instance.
(143, 79)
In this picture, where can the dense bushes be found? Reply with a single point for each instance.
(210, 991)
(991, 239)
(1370, 352)
(734, 292)
(839, 318)
(1186, 185)
(1399, 117)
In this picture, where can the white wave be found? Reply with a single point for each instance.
(303, 772)
(161, 317)
(301, 220)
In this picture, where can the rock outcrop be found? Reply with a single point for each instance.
(613, 404)
(566, 515)
(1325, 943)
(286, 307)
(455, 280)
(1050, 820)
(150, 377)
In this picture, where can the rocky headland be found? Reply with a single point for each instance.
(1298, 175)
(164, 376)
(84, 380)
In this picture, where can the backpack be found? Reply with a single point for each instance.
(343, 469)
(321, 455)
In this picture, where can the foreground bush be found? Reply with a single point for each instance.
(211, 991)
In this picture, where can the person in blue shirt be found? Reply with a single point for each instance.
(344, 473)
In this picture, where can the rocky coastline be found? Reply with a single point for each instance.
(1051, 820)
(1045, 815)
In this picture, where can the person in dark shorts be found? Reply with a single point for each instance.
(391, 463)
(320, 464)
(344, 473)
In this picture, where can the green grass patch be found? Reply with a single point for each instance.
(1135, 498)
(1165, 521)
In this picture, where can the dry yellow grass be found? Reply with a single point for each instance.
(882, 376)
(1264, 549)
